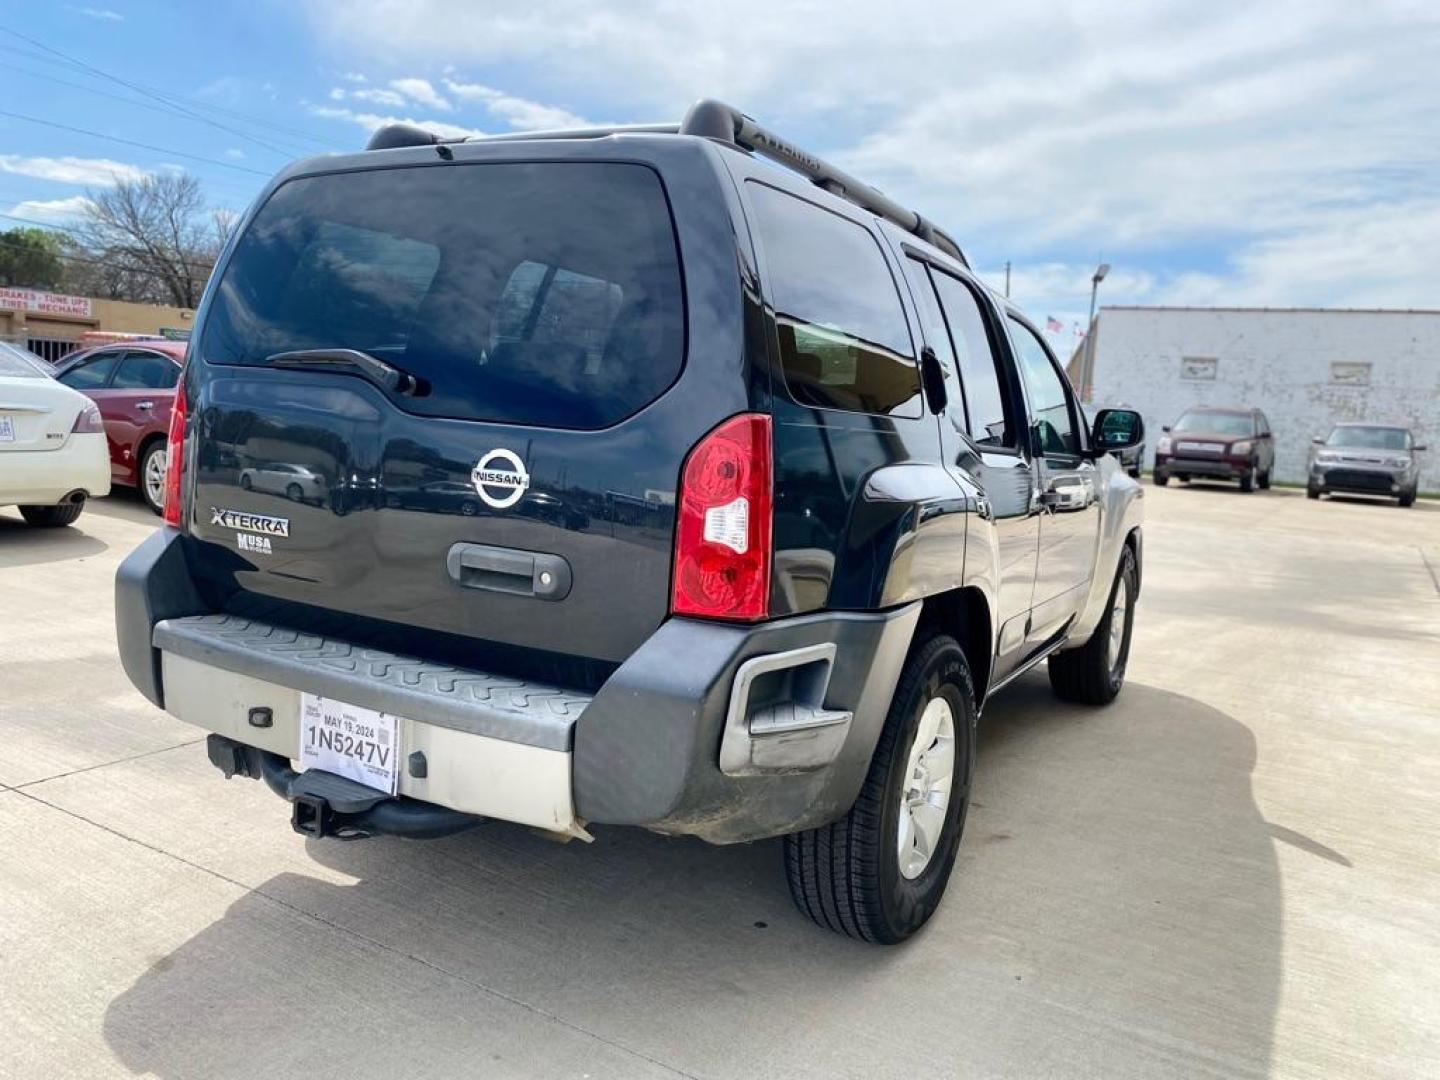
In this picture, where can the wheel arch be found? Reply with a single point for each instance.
(965, 615)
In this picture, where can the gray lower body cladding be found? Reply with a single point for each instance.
(644, 750)
(647, 748)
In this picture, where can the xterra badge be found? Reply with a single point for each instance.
(263, 524)
(500, 488)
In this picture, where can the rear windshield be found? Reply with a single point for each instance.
(539, 293)
(1217, 423)
(18, 363)
(1370, 438)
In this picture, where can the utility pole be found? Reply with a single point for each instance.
(1007, 279)
(1087, 366)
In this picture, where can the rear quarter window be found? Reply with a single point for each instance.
(532, 293)
(844, 341)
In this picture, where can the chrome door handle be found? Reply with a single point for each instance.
(145, 404)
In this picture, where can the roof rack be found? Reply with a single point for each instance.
(715, 120)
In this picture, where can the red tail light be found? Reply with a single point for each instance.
(174, 451)
(722, 539)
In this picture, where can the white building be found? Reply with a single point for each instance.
(1306, 368)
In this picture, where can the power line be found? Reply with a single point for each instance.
(290, 148)
(169, 97)
(131, 142)
(183, 110)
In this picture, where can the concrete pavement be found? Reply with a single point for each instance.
(1233, 871)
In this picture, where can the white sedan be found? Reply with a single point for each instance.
(53, 454)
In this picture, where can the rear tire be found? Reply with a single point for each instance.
(1094, 673)
(294, 492)
(152, 475)
(52, 517)
(879, 872)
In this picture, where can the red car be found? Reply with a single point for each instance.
(133, 383)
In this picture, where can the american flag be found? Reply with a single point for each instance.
(1053, 325)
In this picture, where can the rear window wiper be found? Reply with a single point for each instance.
(378, 371)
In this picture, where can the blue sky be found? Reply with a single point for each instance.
(1270, 154)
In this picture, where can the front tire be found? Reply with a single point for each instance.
(1408, 498)
(52, 517)
(879, 872)
(1160, 478)
(1247, 480)
(152, 475)
(1312, 492)
(1094, 673)
(1265, 479)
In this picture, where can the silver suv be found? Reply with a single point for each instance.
(1366, 459)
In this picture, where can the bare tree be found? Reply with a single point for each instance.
(155, 238)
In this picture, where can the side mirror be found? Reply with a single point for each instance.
(1165, 429)
(1421, 447)
(1117, 429)
(1318, 441)
(933, 380)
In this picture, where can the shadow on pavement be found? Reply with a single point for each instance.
(24, 545)
(124, 504)
(1115, 911)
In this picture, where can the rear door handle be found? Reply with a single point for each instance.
(509, 570)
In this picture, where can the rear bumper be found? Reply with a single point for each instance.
(46, 477)
(720, 731)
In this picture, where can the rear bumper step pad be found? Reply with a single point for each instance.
(474, 702)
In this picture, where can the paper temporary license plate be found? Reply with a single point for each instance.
(359, 744)
(7, 429)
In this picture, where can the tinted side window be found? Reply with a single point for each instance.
(1049, 405)
(844, 342)
(984, 396)
(146, 371)
(90, 374)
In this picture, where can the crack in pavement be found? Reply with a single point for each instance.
(1434, 578)
(105, 764)
(352, 933)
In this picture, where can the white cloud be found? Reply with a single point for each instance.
(421, 92)
(353, 77)
(389, 98)
(371, 121)
(51, 209)
(235, 154)
(101, 172)
(518, 112)
(1271, 136)
(100, 13)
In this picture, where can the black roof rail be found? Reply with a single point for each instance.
(715, 120)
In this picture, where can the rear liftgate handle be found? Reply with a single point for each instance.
(509, 570)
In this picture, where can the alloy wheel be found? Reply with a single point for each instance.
(925, 796)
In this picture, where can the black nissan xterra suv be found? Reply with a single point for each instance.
(655, 485)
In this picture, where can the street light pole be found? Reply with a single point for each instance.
(1087, 366)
